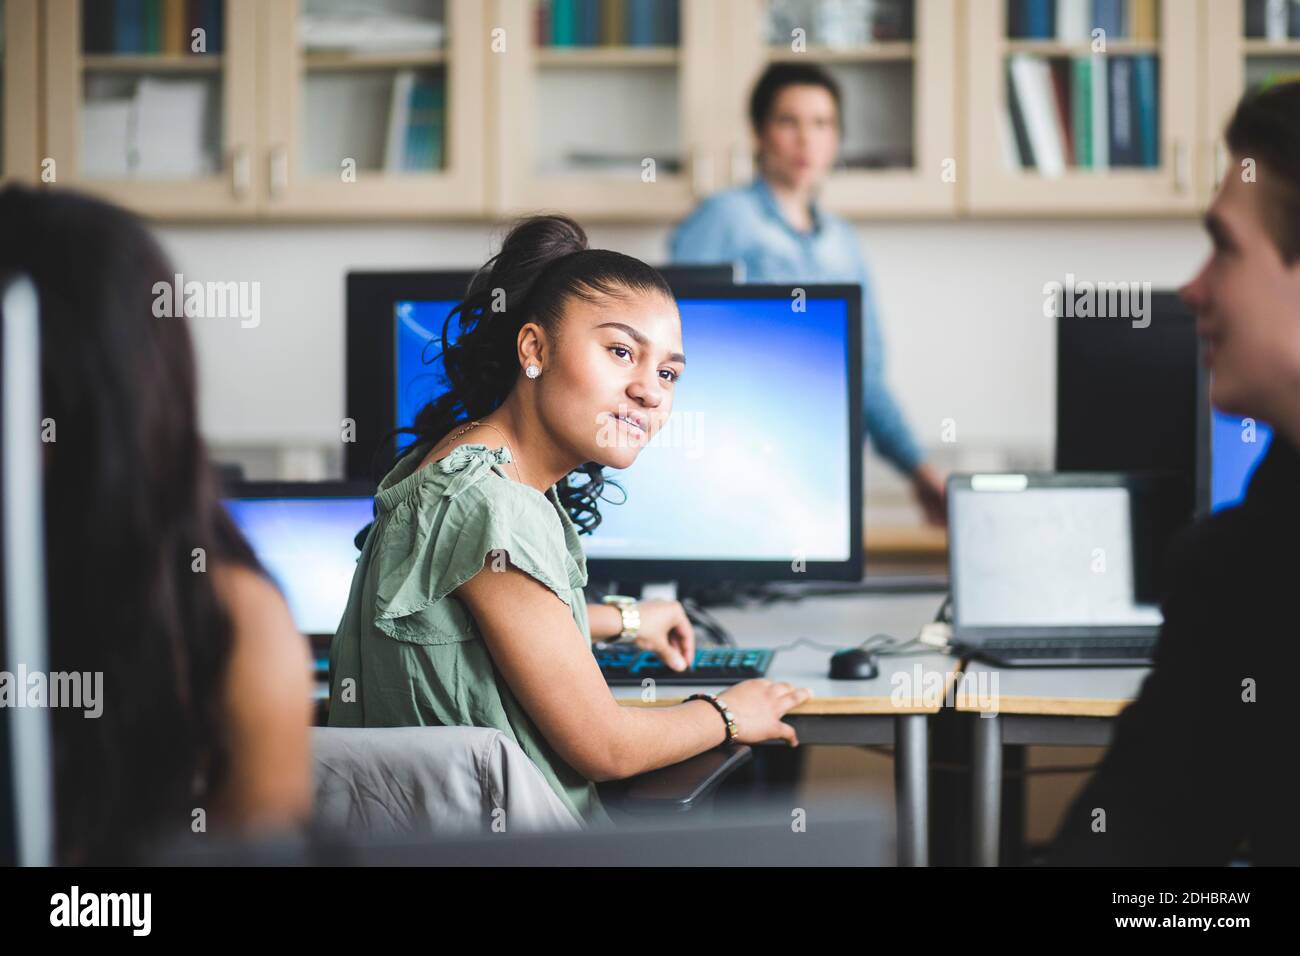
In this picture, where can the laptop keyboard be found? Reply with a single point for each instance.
(1091, 648)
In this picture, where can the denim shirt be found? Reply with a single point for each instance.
(745, 223)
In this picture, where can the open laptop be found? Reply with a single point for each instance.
(305, 535)
(1058, 569)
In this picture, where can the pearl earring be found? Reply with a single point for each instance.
(532, 371)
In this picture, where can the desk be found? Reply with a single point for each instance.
(1061, 706)
(879, 711)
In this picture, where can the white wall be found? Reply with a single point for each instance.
(961, 305)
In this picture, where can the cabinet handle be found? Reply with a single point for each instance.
(701, 174)
(742, 165)
(241, 171)
(279, 171)
(1181, 173)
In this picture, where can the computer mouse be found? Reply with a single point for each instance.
(853, 663)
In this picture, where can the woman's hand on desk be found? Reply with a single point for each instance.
(667, 631)
(758, 706)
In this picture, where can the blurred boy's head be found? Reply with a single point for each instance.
(1247, 295)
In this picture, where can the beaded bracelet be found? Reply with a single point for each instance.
(727, 716)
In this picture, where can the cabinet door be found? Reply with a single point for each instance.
(603, 108)
(1248, 44)
(896, 66)
(377, 117)
(18, 75)
(152, 104)
(1060, 123)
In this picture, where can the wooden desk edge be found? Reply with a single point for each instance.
(1052, 706)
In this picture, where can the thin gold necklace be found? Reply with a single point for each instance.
(513, 458)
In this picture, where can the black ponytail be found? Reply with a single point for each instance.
(543, 261)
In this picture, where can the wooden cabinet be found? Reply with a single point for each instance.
(999, 185)
(299, 122)
(172, 135)
(19, 38)
(605, 130)
(332, 120)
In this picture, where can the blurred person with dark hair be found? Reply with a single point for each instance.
(206, 683)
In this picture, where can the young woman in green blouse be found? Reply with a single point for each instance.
(565, 361)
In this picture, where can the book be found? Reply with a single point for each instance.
(1072, 20)
(1081, 110)
(1275, 20)
(1019, 130)
(1146, 92)
(1124, 149)
(128, 26)
(611, 22)
(641, 22)
(151, 40)
(1142, 19)
(564, 22)
(1255, 18)
(1108, 15)
(175, 39)
(98, 28)
(1100, 98)
(399, 118)
(1031, 78)
(1059, 74)
(171, 119)
(106, 135)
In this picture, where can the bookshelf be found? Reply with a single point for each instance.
(377, 117)
(18, 78)
(1248, 42)
(896, 62)
(606, 109)
(147, 112)
(567, 122)
(1057, 125)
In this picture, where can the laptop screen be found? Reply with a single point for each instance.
(1044, 557)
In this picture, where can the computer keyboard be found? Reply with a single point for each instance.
(714, 665)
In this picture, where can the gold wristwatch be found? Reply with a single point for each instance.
(629, 611)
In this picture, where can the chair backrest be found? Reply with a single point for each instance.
(385, 781)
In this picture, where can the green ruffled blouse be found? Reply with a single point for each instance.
(407, 652)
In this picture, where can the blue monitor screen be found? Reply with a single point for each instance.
(419, 379)
(753, 465)
(307, 545)
(1237, 445)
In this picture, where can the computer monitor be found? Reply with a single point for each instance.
(304, 533)
(392, 317)
(758, 475)
(1128, 397)
(1236, 446)
(26, 734)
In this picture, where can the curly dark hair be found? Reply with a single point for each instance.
(543, 261)
(129, 495)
